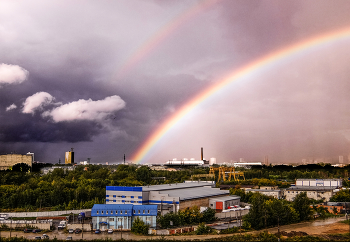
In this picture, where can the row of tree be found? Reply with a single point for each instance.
(267, 211)
(80, 188)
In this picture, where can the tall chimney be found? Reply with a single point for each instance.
(202, 153)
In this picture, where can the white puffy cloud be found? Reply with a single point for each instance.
(10, 74)
(86, 109)
(12, 106)
(37, 101)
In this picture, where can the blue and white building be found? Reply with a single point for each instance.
(168, 197)
(121, 216)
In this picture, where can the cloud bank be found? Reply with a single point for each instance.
(86, 109)
(37, 101)
(12, 74)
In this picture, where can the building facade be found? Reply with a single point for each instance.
(169, 197)
(314, 192)
(7, 161)
(121, 216)
(69, 157)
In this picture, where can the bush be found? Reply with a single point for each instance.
(230, 230)
(203, 229)
(139, 227)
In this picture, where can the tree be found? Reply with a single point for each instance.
(302, 206)
(143, 174)
(139, 227)
(21, 167)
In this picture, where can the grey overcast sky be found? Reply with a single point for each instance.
(102, 76)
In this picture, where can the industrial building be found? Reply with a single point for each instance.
(121, 216)
(169, 197)
(7, 161)
(191, 162)
(271, 191)
(222, 203)
(314, 188)
(69, 157)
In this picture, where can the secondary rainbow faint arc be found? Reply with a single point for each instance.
(162, 34)
(256, 65)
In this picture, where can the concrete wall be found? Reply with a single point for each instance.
(23, 224)
(42, 214)
(232, 214)
(7, 161)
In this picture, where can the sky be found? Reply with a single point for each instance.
(103, 76)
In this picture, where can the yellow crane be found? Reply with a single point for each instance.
(230, 171)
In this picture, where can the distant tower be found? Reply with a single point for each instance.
(266, 160)
(69, 158)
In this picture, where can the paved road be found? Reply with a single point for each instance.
(128, 235)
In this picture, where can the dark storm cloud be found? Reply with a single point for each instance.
(74, 52)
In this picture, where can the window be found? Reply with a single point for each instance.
(148, 211)
(134, 211)
(114, 195)
(107, 195)
(138, 211)
(132, 196)
(132, 201)
(97, 211)
(107, 212)
(140, 197)
(126, 212)
(143, 211)
(102, 212)
(123, 201)
(114, 200)
(123, 196)
(111, 212)
(107, 200)
(139, 201)
(111, 219)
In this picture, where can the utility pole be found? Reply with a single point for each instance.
(82, 227)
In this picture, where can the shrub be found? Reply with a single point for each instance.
(203, 229)
(139, 227)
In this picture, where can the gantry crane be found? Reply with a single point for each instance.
(223, 171)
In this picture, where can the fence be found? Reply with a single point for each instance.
(42, 214)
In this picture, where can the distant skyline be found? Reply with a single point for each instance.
(108, 78)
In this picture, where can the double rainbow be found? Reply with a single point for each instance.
(263, 62)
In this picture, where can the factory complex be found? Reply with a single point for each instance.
(124, 204)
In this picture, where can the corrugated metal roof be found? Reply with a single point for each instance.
(225, 198)
(311, 188)
(112, 206)
(194, 192)
(176, 186)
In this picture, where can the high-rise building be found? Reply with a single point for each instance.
(341, 159)
(69, 158)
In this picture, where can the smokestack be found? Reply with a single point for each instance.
(202, 153)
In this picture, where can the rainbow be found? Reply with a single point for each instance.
(250, 68)
(141, 52)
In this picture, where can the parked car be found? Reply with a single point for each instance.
(71, 231)
(28, 230)
(69, 238)
(36, 230)
(97, 231)
(45, 236)
(77, 230)
(110, 231)
(37, 237)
